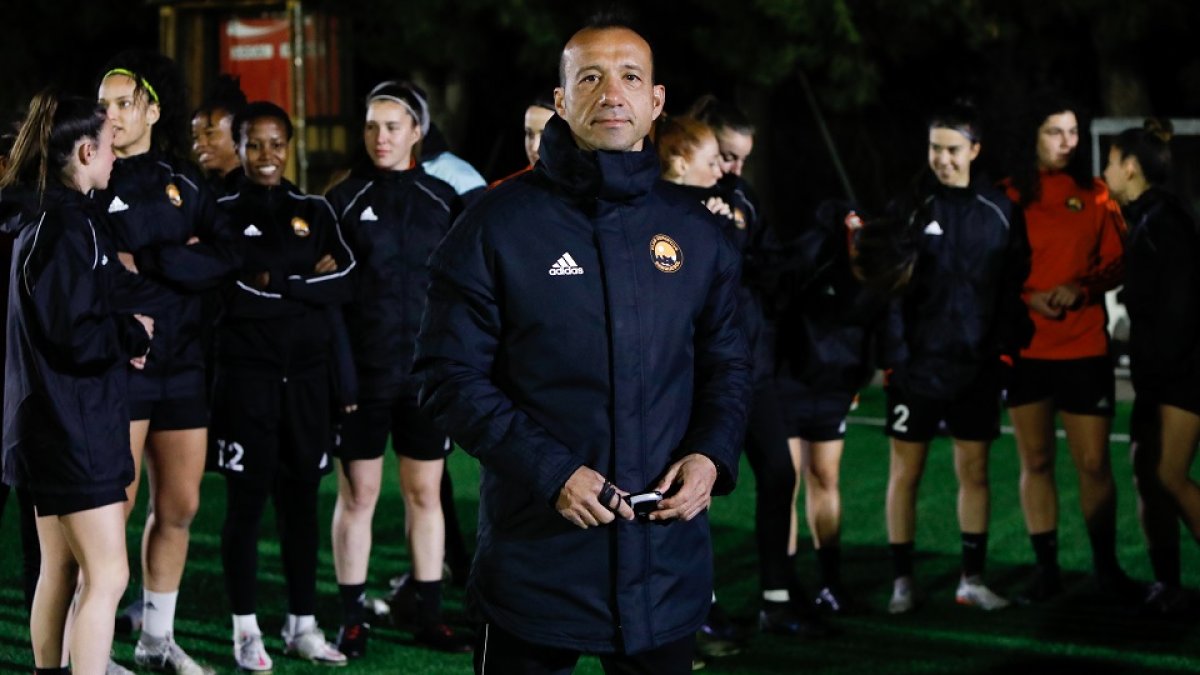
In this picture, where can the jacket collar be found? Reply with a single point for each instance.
(604, 175)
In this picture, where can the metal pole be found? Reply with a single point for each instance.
(298, 93)
(827, 137)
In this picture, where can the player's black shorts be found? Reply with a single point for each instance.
(813, 416)
(1145, 422)
(973, 415)
(1077, 386)
(50, 504)
(263, 426)
(364, 432)
(172, 414)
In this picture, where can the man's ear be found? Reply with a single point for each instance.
(561, 110)
(658, 99)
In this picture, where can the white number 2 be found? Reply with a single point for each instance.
(901, 423)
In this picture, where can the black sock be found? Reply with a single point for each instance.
(1104, 549)
(902, 561)
(352, 603)
(51, 671)
(429, 602)
(1165, 562)
(1045, 549)
(829, 558)
(974, 553)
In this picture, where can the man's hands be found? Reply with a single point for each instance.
(582, 499)
(579, 500)
(694, 477)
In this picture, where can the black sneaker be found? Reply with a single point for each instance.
(785, 620)
(833, 600)
(352, 640)
(402, 600)
(1165, 600)
(1120, 587)
(717, 636)
(1044, 585)
(443, 638)
(129, 621)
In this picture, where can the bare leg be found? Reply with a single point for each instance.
(1087, 438)
(175, 467)
(420, 480)
(352, 515)
(52, 598)
(904, 475)
(138, 430)
(971, 468)
(1036, 446)
(97, 540)
(794, 445)
(1180, 433)
(821, 464)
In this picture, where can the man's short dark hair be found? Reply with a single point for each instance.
(605, 20)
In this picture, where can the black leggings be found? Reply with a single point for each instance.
(31, 552)
(296, 523)
(767, 451)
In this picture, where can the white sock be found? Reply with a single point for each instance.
(297, 624)
(158, 613)
(245, 624)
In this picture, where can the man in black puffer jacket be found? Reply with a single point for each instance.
(582, 340)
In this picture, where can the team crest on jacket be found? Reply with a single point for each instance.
(668, 257)
(173, 195)
(299, 227)
(1074, 204)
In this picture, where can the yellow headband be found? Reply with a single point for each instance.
(136, 78)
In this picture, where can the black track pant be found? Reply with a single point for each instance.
(296, 523)
(767, 451)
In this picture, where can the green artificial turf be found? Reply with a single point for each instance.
(1076, 633)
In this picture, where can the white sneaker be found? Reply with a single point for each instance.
(164, 655)
(251, 654)
(312, 646)
(904, 597)
(114, 668)
(972, 593)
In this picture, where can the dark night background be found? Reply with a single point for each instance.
(875, 67)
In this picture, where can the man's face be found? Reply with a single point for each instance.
(608, 96)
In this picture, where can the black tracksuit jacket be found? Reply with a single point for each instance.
(393, 221)
(554, 338)
(962, 309)
(1162, 294)
(155, 206)
(69, 341)
(830, 324)
(283, 330)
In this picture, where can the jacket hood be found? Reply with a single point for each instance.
(20, 205)
(16, 201)
(602, 174)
